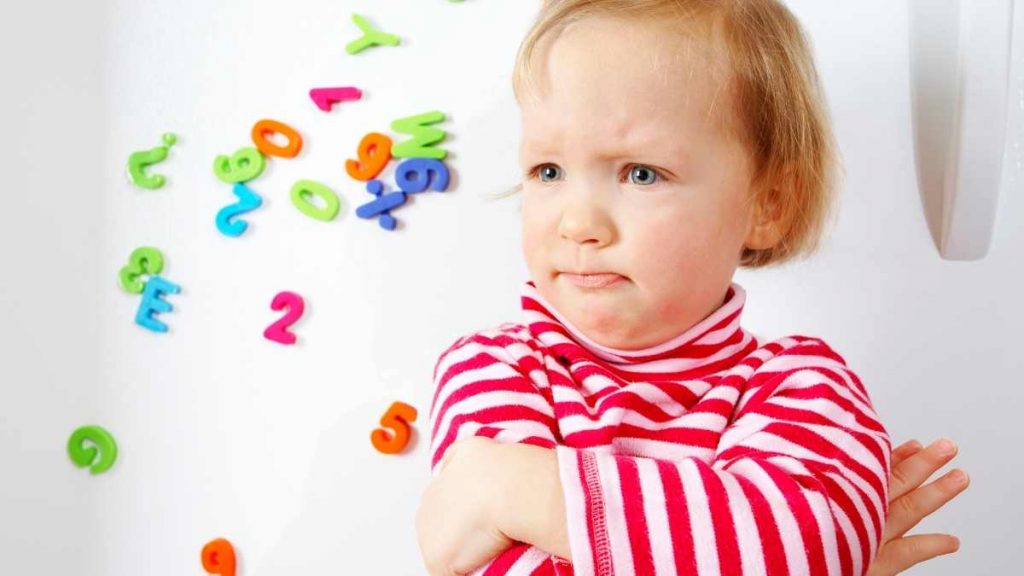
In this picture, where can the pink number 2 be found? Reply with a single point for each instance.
(278, 331)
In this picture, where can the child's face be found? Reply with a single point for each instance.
(632, 176)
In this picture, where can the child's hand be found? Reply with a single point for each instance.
(456, 522)
(909, 503)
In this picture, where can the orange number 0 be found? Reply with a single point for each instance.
(268, 148)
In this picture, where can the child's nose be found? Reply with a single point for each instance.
(585, 219)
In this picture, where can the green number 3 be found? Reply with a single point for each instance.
(143, 260)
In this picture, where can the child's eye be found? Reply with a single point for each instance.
(642, 175)
(548, 172)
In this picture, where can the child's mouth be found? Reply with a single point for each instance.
(600, 280)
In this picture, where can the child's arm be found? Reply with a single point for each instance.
(798, 485)
(533, 501)
(481, 391)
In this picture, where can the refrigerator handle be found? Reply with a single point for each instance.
(959, 72)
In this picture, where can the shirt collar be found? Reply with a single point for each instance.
(715, 342)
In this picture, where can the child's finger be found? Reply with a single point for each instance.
(904, 451)
(908, 551)
(920, 503)
(913, 471)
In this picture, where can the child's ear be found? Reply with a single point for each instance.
(766, 224)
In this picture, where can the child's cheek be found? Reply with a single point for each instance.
(534, 230)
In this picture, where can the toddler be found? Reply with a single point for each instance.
(629, 425)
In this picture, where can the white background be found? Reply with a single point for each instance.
(223, 433)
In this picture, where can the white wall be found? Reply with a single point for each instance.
(223, 433)
(51, 280)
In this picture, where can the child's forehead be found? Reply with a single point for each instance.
(609, 71)
(554, 123)
(560, 134)
(596, 142)
(577, 111)
(645, 45)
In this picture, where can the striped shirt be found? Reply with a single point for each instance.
(712, 453)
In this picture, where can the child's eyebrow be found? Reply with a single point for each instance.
(532, 151)
(653, 151)
(529, 150)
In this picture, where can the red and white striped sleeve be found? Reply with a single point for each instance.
(798, 485)
(481, 389)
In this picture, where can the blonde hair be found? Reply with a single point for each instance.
(781, 116)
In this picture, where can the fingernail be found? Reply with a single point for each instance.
(957, 477)
(945, 446)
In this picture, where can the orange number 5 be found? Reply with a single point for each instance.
(397, 418)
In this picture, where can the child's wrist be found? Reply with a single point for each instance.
(530, 505)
